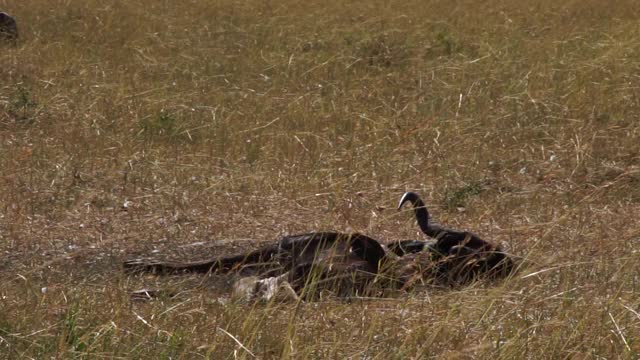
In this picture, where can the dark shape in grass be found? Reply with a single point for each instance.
(8, 29)
(346, 263)
(470, 256)
(349, 264)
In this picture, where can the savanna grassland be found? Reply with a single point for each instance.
(186, 129)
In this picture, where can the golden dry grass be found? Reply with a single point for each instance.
(217, 122)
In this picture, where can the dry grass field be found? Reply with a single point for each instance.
(183, 130)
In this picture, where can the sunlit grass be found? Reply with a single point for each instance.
(221, 122)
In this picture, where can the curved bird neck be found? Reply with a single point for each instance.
(422, 214)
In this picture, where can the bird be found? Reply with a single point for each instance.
(463, 255)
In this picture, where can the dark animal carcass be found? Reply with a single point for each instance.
(307, 265)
